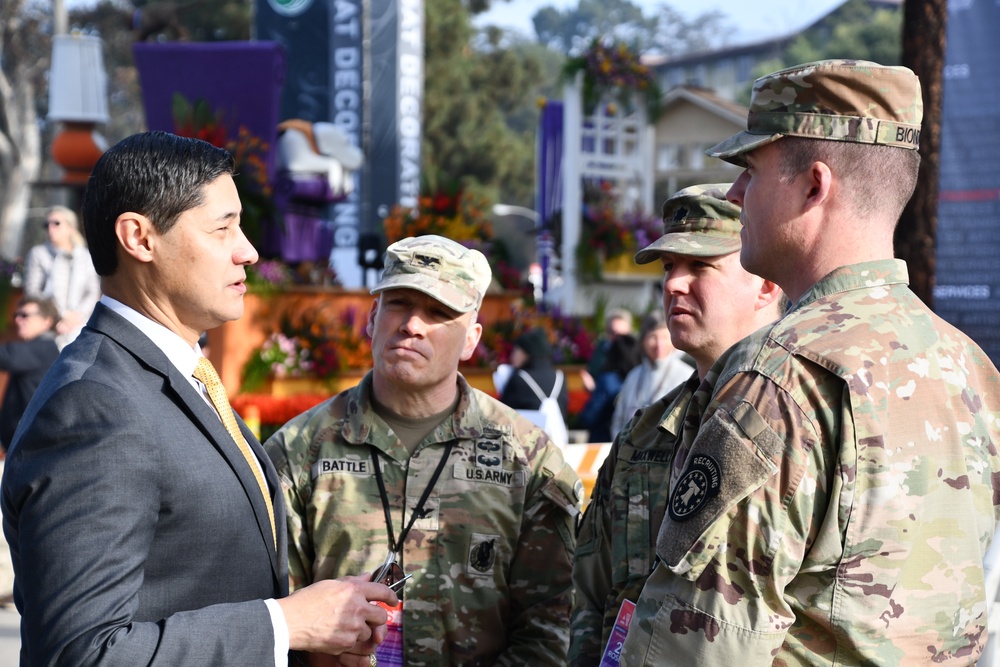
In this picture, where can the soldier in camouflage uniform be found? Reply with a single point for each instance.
(836, 502)
(484, 501)
(710, 302)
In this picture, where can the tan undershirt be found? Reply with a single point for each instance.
(411, 431)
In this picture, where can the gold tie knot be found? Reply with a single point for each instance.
(205, 373)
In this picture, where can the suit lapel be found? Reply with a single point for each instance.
(207, 419)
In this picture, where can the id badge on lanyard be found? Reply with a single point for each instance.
(390, 652)
(613, 651)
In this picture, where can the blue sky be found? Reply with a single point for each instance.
(754, 19)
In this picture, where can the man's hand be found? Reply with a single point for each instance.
(336, 615)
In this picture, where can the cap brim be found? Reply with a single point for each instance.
(735, 147)
(429, 285)
(688, 243)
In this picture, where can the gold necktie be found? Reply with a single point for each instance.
(205, 373)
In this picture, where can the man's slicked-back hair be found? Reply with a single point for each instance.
(155, 174)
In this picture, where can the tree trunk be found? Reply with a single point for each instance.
(924, 24)
(20, 137)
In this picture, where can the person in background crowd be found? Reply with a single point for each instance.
(617, 322)
(624, 354)
(532, 356)
(26, 360)
(467, 497)
(712, 302)
(61, 270)
(662, 368)
(832, 501)
(139, 509)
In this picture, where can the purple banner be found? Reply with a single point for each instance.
(549, 161)
(242, 80)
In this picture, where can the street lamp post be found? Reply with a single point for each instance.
(523, 211)
(543, 239)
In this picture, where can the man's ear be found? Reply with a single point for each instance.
(472, 336)
(767, 293)
(370, 326)
(820, 180)
(136, 235)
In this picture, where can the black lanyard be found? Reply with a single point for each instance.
(418, 511)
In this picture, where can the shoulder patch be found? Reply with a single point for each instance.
(482, 554)
(696, 486)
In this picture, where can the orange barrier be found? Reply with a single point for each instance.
(586, 459)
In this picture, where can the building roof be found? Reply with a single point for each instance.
(708, 100)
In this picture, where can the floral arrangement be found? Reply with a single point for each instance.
(274, 411)
(613, 69)
(456, 215)
(269, 276)
(281, 356)
(572, 338)
(606, 234)
(311, 344)
(200, 121)
(509, 276)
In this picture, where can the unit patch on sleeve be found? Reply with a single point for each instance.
(699, 482)
(482, 554)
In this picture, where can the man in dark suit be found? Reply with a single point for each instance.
(140, 513)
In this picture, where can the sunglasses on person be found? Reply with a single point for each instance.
(390, 573)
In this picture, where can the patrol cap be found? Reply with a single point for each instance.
(837, 100)
(440, 268)
(697, 221)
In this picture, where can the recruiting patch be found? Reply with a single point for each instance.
(699, 482)
(482, 553)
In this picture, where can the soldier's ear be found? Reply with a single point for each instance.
(472, 336)
(370, 325)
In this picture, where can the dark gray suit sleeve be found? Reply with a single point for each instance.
(85, 500)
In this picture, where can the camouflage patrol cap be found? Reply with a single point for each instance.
(439, 267)
(697, 221)
(838, 100)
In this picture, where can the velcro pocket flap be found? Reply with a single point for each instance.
(734, 454)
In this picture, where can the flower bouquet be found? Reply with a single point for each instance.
(613, 69)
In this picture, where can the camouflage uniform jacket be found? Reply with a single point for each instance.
(491, 556)
(616, 539)
(836, 503)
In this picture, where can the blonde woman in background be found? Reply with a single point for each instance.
(61, 270)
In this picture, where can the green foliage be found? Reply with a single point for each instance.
(666, 32)
(479, 114)
(856, 31)
(211, 20)
(571, 30)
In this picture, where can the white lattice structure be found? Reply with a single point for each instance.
(609, 145)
